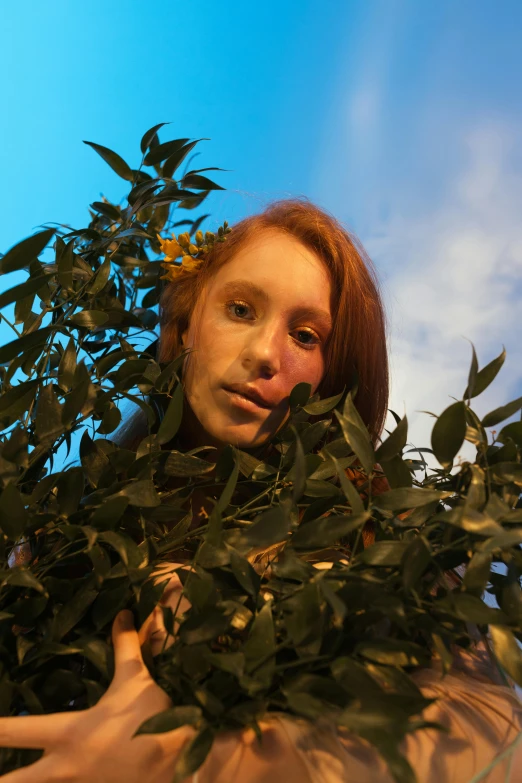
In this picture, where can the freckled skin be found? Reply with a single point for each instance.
(261, 338)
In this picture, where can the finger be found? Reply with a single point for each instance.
(34, 731)
(127, 653)
(42, 771)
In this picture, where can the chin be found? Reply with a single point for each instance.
(243, 437)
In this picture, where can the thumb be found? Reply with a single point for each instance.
(128, 660)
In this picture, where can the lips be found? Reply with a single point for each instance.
(251, 394)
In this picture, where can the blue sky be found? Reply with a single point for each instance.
(403, 118)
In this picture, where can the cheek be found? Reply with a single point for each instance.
(214, 349)
(302, 366)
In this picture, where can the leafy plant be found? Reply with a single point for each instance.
(80, 539)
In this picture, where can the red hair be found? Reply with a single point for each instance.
(357, 343)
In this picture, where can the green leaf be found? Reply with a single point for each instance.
(13, 516)
(384, 553)
(141, 493)
(470, 520)
(22, 577)
(416, 559)
(170, 719)
(233, 662)
(247, 463)
(507, 651)
(503, 541)
(406, 497)
(448, 433)
(505, 472)
(67, 366)
(178, 464)
(320, 489)
(299, 395)
(126, 548)
(11, 399)
(69, 615)
(483, 377)
(94, 460)
(326, 531)
(244, 573)
(48, 425)
(162, 151)
(100, 278)
(193, 755)
(392, 652)
(89, 319)
(357, 437)
(395, 443)
(172, 419)
(349, 491)
(64, 259)
(259, 648)
(273, 527)
(477, 572)
(23, 290)
(323, 406)
(513, 432)
(499, 414)
(397, 472)
(177, 157)
(108, 603)
(116, 163)
(472, 376)
(298, 469)
(24, 252)
(148, 137)
(109, 514)
(230, 486)
(198, 182)
(23, 344)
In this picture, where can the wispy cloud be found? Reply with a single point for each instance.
(455, 273)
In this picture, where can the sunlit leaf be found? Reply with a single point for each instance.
(395, 442)
(483, 378)
(89, 319)
(448, 433)
(172, 418)
(507, 651)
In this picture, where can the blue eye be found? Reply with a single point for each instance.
(239, 310)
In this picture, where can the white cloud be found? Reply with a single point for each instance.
(456, 273)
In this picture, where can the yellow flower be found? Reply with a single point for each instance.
(189, 263)
(170, 247)
(173, 272)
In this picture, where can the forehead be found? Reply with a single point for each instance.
(280, 264)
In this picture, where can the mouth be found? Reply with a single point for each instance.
(246, 398)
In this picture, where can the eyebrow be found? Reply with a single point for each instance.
(246, 287)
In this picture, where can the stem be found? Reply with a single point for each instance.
(8, 322)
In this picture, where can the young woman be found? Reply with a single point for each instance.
(289, 297)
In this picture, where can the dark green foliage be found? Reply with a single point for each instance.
(286, 636)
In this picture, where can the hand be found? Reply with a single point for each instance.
(96, 744)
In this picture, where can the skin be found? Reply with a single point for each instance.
(262, 321)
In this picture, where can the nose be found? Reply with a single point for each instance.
(262, 350)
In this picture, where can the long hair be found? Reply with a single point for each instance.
(357, 344)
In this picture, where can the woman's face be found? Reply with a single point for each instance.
(259, 328)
